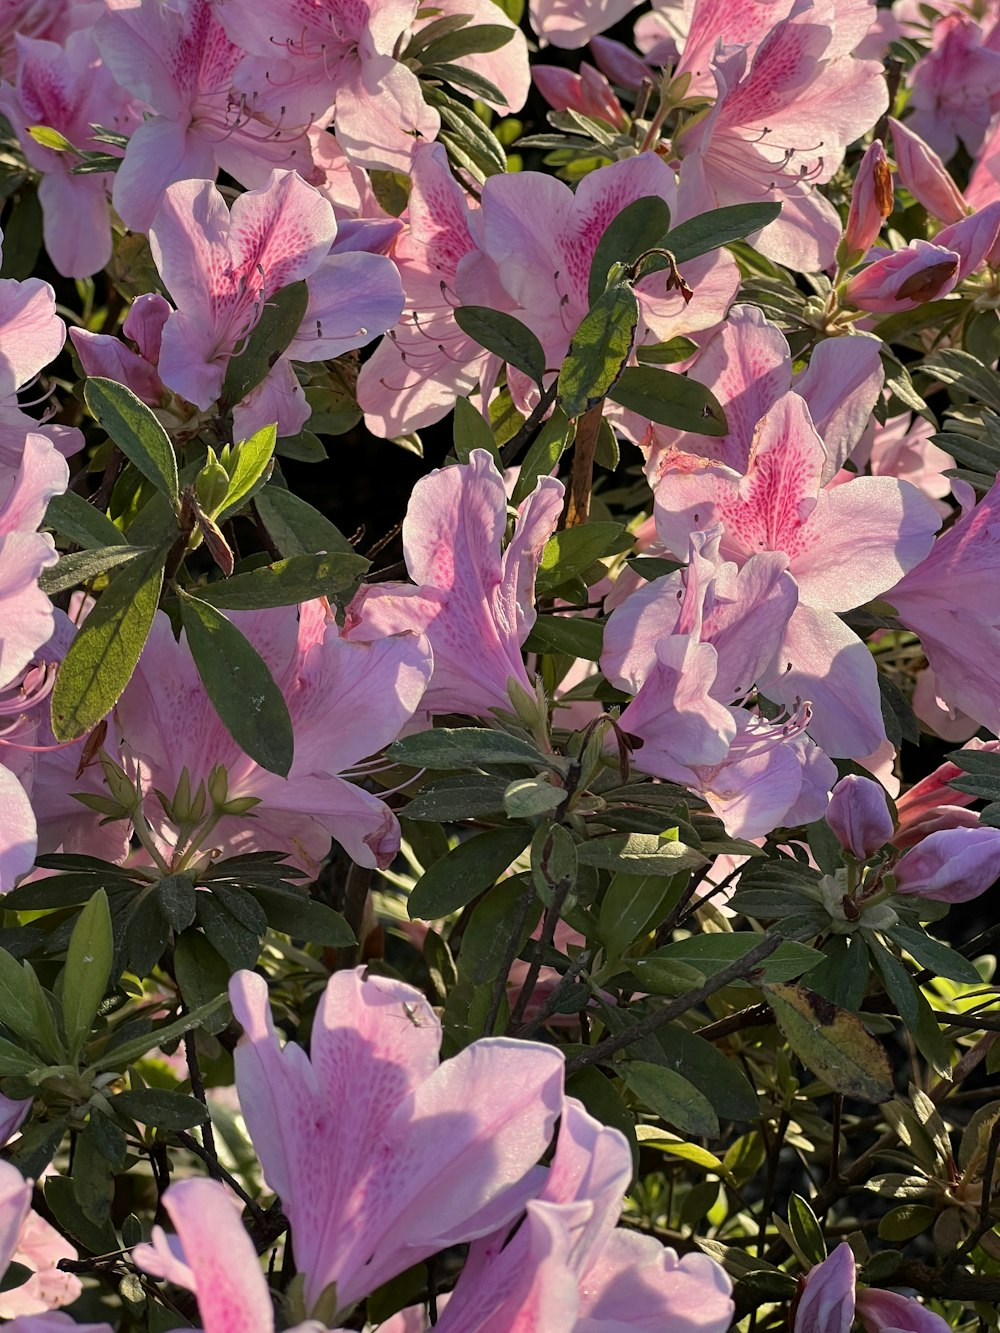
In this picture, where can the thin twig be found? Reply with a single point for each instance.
(542, 946)
(735, 971)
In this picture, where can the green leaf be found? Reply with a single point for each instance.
(472, 431)
(709, 954)
(302, 448)
(303, 918)
(632, 905)
(504, 336)
(202, 975)
(25, 1008)
(14, 1061)
(295, 527)
(472, 867)
(71, 515)
(486, 937)
(240, 686)
(599, 350)
(670, 400)
(466, 41)
(719, 1077)
(82, 566)
(913, 1009)
(576, 636)
(463, 747)
(572, 552)
(670, 1096)
(299, 578)
(708, 231)
(160, 1107)
(664, 354)
(280, 320)
(462, 797)
(906, 1221)
(128, 1051)
(527, 798)
(87, 971)
(177, 899)
(136, 431)
(640, 854)
(104, 653)
(546, 449)
(932, 954)
(468, 141)
(641, 225)
(806, 1230)
(832, 1043)
(460, 76)
(252, 468)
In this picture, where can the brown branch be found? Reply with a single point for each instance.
(582, 476)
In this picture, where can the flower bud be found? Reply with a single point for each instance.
(882, 1311)
(904, 279)
(826, 1302)
(925, 175)
(952, 865)
(859, 816)
(871, 201)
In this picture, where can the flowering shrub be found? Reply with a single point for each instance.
(524, 904)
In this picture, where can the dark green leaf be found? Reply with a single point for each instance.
(463, 747)
(296, 527)
(136, 431)
(670, 1096)
(469, 142)
(203, 975)
(462, 797)
(913, 1009)
(288, 582)
(103, 655)
(472, 431)
(719, 1077)
(599, 350)
(932, 954)
(177, 899)
(487, 935)
(709, 954)
(806, 1230)
(25, 1008)
(670, 400)
(577, 636)
(641, 225)
(279, 322)
(303, 918)
(240, 686)
(88, 527)
(162, 1108)
(464, 873)
(546, 450)
(82, 566)
(665, 354)
(708, 231)
(504, 336)
(466, 41)
(134, 1049)
(238, 945)
(302, 448)
(459, 76)
(632, 905)
(87, 971)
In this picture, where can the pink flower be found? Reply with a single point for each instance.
(382, 1156)
(951, 865)
(415, 374)
(475, 605)
(960, 571)
(212, 1256)
(588, 92)
(338, 58)
(101, 354)
(221, 267)
(826, 1300)
(179, 61)
(932, 803)
(346, 701)
(572, 23)
(905, 279)
(888, 1312)
(845, 545)
(859, 816)
(568, 1264)
(955, 88)
(68, 90)
(780, 126)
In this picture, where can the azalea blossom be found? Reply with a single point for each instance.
(380, 1154)
(475, 605)
(221, 268)
(827, 1303)
(346, 701)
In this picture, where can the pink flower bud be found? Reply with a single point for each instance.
(925, 176)
(826, 1302)
(859, 816)
(951, 865)
(905, 279)
(888, 1312)
(871, 201)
